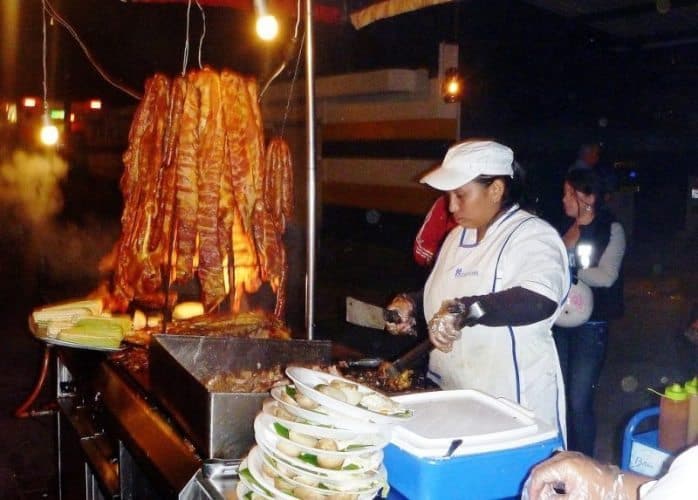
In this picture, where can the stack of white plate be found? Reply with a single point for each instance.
(320, 438)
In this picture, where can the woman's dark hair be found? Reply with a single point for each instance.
(587, 181)
(514, 187)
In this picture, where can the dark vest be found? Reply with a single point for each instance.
(608, 301)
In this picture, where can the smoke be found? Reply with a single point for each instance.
(51, 258)
(30, 186)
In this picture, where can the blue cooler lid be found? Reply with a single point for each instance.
(483, 423)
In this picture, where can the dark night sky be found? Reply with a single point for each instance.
(519, 61)
(535, 81)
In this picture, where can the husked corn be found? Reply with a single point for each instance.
(68, 314)
(54, 327)
(94, 305)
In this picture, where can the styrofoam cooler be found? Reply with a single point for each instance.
(501, 442)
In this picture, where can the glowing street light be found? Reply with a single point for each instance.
(267, 26)
(48, 135)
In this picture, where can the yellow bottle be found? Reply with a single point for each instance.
(691, 388)
(673, 418)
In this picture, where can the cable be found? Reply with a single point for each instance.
(288, 54)
(203, 31)
(43, 58)
(47, 7)
(186, 41)
(290, 90)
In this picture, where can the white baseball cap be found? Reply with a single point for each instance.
(467, 160)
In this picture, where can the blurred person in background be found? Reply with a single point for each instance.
(595, 243)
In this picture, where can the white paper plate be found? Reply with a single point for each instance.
(254, 463)
(306, 380)
(268, 440)
(250, 480)
(241, 490)
(368, 486)
(323, 416)
(345, 451)
(322, 431)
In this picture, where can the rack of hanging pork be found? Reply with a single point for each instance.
(206, 205)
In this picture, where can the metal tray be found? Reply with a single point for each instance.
(220, 423)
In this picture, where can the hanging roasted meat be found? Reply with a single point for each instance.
(203, 199)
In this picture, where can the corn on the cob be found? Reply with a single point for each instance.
(94, 305)
(88, 338)
(94, 332)
(43, 316)
(105, 323)
(53, 328)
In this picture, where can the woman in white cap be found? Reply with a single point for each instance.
(496, 286)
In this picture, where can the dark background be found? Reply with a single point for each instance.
(536, 81)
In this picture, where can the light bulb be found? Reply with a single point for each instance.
(49, 135)
(267, 27)
(452, 86)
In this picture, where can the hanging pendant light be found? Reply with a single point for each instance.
(266, 26)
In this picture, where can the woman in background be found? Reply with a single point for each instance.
(595, 242)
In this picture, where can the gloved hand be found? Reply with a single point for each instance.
(442, 331)
(445, 326)
(574, 476)
(401, 316)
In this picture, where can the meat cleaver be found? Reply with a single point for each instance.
(364, 314)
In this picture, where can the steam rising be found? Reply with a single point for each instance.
(58, 258)
(29, 186)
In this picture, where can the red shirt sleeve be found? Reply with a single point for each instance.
(437, 224)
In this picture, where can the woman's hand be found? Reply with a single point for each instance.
(405, 309)
(443, 327)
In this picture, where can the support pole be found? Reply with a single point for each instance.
(310, 137)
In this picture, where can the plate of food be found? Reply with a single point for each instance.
(319, 462)
(344, 396)
(292, 486)
(307, 439)
(251, 483)
(276, 411)
(362, 487)
(286, 397)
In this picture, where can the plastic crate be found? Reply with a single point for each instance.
(641, 451)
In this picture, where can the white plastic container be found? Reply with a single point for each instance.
(500, 442)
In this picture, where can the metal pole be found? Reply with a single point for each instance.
(310, 134)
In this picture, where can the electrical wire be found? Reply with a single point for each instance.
(43, 59)
(185, 60)
(48, 8)
(203, 31)
(288, 54)
(290, 90)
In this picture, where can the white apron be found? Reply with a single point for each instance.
(518, 363)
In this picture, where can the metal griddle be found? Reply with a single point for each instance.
(220, 423)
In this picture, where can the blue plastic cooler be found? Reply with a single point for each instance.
(501, 442)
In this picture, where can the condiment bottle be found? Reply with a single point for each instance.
(691, 388)
(673, 418)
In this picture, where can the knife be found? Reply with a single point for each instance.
(362, 313)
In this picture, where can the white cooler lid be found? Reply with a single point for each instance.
(484, 424)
